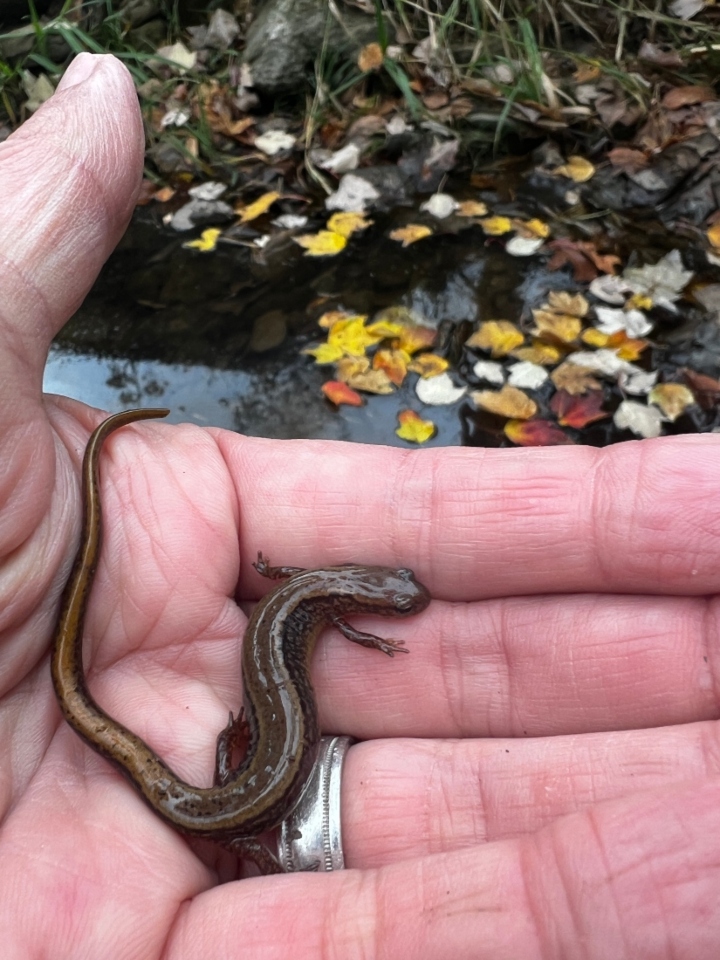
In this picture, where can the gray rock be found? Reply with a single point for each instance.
(287, 35)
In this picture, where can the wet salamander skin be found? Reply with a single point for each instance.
(279, 702)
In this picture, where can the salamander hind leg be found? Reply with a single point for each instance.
(262, 565)
(235, 735)
(249, 849)
(390, 647)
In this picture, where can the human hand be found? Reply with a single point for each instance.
(540, 775)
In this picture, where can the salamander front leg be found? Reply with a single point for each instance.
(262, 565)
(390, 647)
(249, 849)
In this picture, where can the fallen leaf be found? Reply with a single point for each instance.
(206, 242)
(546, 354)
(687, 96)
(713, 235)
(610, 288)
(606, 362)
(471, 208)
(439, 391)
(489, 370)
(370, 58)
(663, 282)
(636, 381)
(352, 336)
(583, 257)
(641, 420)
(339, 393)
(393, 362)
(496, 226)
(331, 317)
(258, 207)
(411, 233)
(633, 322)
(578, 169)
(497, 336)
(274, 142)
(440, 205)
(574, 379)
(356, 372)
(348, 223)
(429, 365)
(627, 348)
(593, 338)
(578, 411)
(574, 304)
(526, 375)
(706, 389)
(535, 433)
(414, 337)
(325, 353)
(672, 398)
(532, 228)
(523, 246)
(325, 243)
(507, 402)
(557, 326)
(413, 428)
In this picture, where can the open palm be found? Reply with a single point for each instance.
(540, 776)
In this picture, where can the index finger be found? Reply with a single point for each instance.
(637, 517)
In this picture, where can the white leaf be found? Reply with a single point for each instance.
(601, 361)
(686, 9)
(439, 390)
(524, 246)
(440, 205)
(527, 376)
(208, 191)
(179, 55)
(396, 125)
(644, 421)
(633, 322)
(353, 195)
(639, 382)
(489, 370)
(175, 118)
(343, 160)
(274, 141)
(610, 288)
(663, 281)
(290, 221)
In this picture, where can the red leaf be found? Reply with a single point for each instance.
(339, 393)
(535, 433)
(578, 411)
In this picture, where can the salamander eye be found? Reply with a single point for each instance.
(405, 574)
(403, 601)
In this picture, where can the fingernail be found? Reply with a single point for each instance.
(82, 67)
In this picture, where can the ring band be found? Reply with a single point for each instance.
(310, 837)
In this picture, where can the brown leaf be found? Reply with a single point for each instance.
(536, 433)
(656, 53)
(628, 160)
(370, 58)
(706, 389)
(574, 379)
(508, 402)
(566, 251)
(685, 96)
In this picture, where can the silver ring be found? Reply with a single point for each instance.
(310, 837)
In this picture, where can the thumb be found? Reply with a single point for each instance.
(68, 182)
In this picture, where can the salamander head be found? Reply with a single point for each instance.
(384, 590)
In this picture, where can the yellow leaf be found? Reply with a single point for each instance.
(638, 301)
(672, 398)
(594, 338)
(351, 336)
(508, 402)
(560, 301)
(413, 428)
(532, 228)
(496, 226)
(498, 336)
(370, 57)
(346, 224)
(206, 242)
(429, 365)
(578, 169)
(545, 354)
(326, 243)
(332, 316)
(471, 208)
(559, 326)
(325, 353)
(385, 328)
(411, 233)
(574, 379)
(258, 207)
(713, 235)
(414, 337)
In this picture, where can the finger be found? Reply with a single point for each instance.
(635, 878)
(632, 518)
(410, 798)
(69, 179)
(527, 666)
